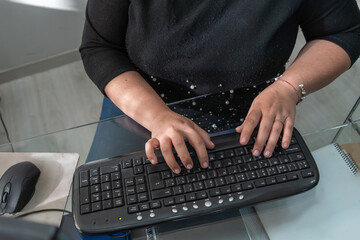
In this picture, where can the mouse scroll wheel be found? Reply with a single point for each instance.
(4, 197)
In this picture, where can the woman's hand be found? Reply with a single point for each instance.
(172, 129)
(274, 108)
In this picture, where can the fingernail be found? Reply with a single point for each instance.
(243, 140)
(189, 166)
(286, 144)
(212, 144)
(205, 164)
(177, 171)
(151, 160)
(267, 153)
(256, 153)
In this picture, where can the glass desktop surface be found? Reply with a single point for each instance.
(217, 114)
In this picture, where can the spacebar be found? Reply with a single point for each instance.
(166, 192)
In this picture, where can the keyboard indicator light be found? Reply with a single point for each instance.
(120, 218)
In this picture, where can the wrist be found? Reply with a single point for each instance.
(299, 89)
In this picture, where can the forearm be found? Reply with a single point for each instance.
(318, 64)
(135, 97)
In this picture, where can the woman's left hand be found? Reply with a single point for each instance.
(274, 108)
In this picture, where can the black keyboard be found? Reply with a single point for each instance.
(127, 192)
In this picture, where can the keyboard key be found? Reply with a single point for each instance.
(225, 190)
(84, 195)
(260, 183)
(130, 190)
(180, 180)
(144, 207)
(243, 168)
(229, 153)
(85, 209)
(127, 163)
(264, 163)
(143, 197)
(274, 161)
(209, 183)
(166, 174)
(303, 164)
(237, 160)
(253, 166)
(106, 195)
(220, 155)
(191, 178)
(292, 176)
(251, 175)
(157, 168)
(105, 178)
(188, 188)
(247, 186)
(217, 164)
(105, 186)
(272, 171)
(109, 169)
(84, 178)
(180, 199)
(270, 180)
(137, 161)
(133, 209)
(214, 192)
(155, 204)
(230, 179)
(282, 168)
(94, 180)
(155, 181)
(232, 170)
(296, 156)
(132, 199)
(96, 206)
(177, 190)
(219, 181)
(236, 187)
(284, 159)
(201, 195)
(281, 178)
(201, 176)
(169, 201)
(115, 176)
(222, 172)
(198, 186)
(116, 184)
(292, 149)
(190, 197)
(95, 188)
(240, 177)
(227, 162)
(261, 173)
(239, 151)
(138, 170)
(212, 174)
(94, 172)
(166, 192)
(292, 167)
(139, 180)
(247, 158)
(212, 156)
(118, 202)
(107, 204)
(95, 197)
(117, 193)
(307, 173)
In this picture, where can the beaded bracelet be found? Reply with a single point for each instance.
(302, 94)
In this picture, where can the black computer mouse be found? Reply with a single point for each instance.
(17, 186)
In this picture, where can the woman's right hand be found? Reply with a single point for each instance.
(172, 129)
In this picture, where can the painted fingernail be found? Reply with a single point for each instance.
(256, 153)
(243, 140)
(267, 154)
(177, 171)
(189, 166)
(205, 164)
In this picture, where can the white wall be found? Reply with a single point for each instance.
(29, 33)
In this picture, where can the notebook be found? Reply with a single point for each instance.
(331, 210)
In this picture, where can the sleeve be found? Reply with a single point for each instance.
(103, 49)
(337, 21)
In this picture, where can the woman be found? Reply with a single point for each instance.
(210, 46)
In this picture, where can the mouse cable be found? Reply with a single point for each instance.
(43, 210)
(6, 132)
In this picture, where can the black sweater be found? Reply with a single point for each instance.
(204, 44)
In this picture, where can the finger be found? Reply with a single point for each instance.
(239, 128)
(198, 144)
(273, 138)
(205, 136)
(288, 129)
(182, 151)
(150, 145)
(263, 134)
(250, 123)
(166, 151)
